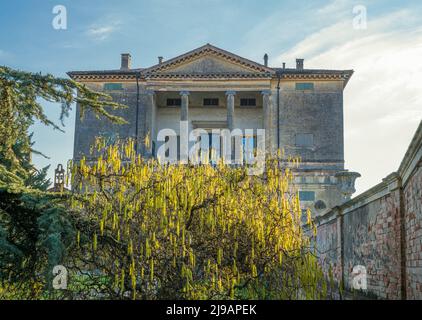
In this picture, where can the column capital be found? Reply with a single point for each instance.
(266, 92)
(184, 93)
(230, 93)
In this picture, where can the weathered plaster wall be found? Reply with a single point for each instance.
(318, 112)
(329, 246)
(88, 127)
(324, 184)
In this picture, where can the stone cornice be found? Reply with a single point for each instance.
(131, 76)
(309, 76)
(102, 77)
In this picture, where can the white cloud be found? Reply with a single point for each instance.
(284, 26)
(383, 100)
(102, 32)
(334, 7)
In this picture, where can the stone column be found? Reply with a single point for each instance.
(230, 109)
(268, 121)
(184, 110)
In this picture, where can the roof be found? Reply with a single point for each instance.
(246, 69)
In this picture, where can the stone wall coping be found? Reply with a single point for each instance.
(329, 217)
(413, 156)
(376, 192)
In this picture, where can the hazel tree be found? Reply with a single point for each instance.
(190, 232)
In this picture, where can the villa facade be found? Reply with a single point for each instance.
(301, 111)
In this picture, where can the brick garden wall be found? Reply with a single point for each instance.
(413, 230)
(372, 239)
(381, 230)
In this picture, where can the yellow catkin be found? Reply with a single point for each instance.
(239, 224)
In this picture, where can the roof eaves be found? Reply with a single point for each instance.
(104, 72)
(346, 74)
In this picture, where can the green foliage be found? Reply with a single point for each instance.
(21, 96)
(35, 230)
(33, 238)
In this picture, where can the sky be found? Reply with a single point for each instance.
(382, 101)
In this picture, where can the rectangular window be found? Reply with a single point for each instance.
(178, 147)
(247, 102)
(307, 195)
(305, 86)
(174, 102)
(211, 144)
(210, 102)
(113, 86)
(304, 140)
(249, 144)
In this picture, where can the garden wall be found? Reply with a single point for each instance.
(381, 230)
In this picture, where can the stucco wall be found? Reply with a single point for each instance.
(88, 127)
(318, 112)
(328, 245)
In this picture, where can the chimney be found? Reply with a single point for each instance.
(126, 61)
(160, 60)
(266, 60)
(299, 64)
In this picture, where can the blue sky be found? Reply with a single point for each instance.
(383, 101)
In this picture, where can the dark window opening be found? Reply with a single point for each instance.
(249, 145)
(247, 102)
(307, 195)
(153, 149)
(113, 86)
(305, 86)
(210, 102)
(174, 102)
(213, 147)
(304, 140)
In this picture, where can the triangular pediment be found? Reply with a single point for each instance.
(206, 65)
(208, 60)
